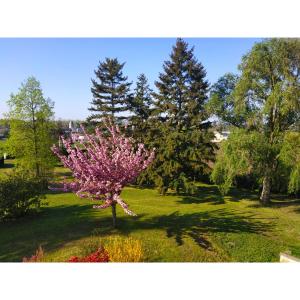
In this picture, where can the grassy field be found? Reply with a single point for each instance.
(205, 227)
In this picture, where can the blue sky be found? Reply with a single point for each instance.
(65, 66)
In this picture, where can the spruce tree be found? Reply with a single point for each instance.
(182, 88)
(183, 142)
(141, 106)
(111, 91)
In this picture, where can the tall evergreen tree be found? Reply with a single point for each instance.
(183, 142)
(182, 88)
(141, 107)
(140, 104)
(111, 91)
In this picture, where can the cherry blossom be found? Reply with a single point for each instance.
(102, 164)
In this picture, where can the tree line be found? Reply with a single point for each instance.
(260, 106)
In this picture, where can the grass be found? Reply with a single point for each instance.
(205, 227)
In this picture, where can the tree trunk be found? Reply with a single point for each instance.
(114, 215)
(265, 193)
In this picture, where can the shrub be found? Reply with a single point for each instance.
(100, 255)
(19, 194)
(124, 250)
(38, 257)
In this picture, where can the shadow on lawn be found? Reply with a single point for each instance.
(211, 194)
(51, 228)
(7, 165)
(56, 226)
(199, 225)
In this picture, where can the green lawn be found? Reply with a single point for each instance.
(206, 227)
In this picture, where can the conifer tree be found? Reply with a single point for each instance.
(182, 88)
(141, 103)
(141, 107)
(111, 91)
(183, 142)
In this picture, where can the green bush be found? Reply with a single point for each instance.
(20, 194)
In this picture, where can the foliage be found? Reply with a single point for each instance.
(37, 257)
(110, 90)
(181, 158)
(20, 194)
(242, 153)
(290, 156)
(141, 108)
(267, 96)
(103, 165)
(231, 224)
(142, 101)
(100, 255)
(221, 101)
(179, 126)
(124, 249)
(30, 129)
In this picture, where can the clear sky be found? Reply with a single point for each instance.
(65, 66)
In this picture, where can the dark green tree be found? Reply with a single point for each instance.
(268, 96)
(141, 107)
(182, 88)
(180, 124)
(141, 103)
(111, 91)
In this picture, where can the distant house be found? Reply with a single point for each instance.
(220, 136)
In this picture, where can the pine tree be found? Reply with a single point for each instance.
(111, 91)
(183, 142)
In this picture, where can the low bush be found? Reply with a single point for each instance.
(19, 194)
(124, 249)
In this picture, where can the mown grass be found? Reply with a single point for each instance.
(205, 227)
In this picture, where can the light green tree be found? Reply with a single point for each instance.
(267, 98)
(30, 115)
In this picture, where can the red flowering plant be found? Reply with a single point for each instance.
(100, 255)
(102, 165)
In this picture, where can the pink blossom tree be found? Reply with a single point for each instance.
(102, 164)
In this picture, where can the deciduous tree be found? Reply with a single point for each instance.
(30, 136)
(103, 164)
(268, 96)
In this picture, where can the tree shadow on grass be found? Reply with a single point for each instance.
(56, 226)
(278, 201)
(203, 194)
(212, 195)
(52, 228)
(199, 225)
(7, 165)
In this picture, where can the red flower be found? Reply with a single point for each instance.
(100, 255)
